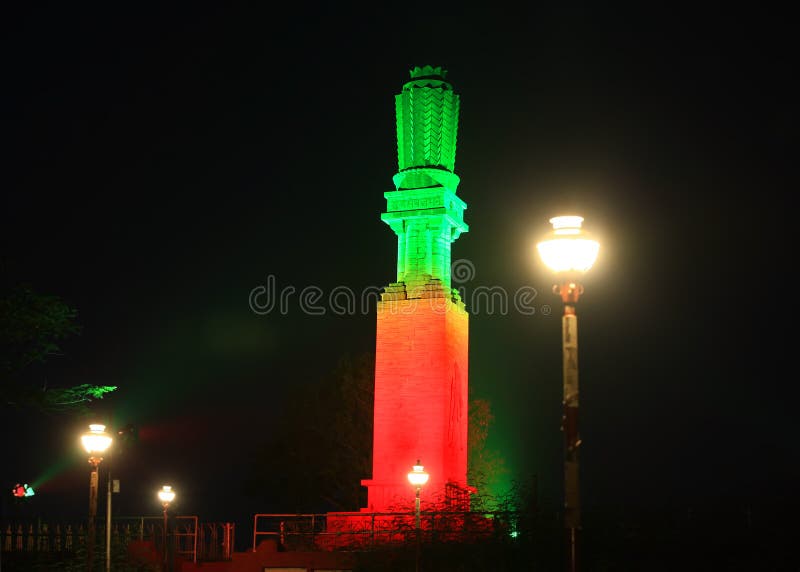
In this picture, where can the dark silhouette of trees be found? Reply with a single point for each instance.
(321, 448)
(32, 327)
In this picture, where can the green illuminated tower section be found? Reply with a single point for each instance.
(424, 211)
(421, 352)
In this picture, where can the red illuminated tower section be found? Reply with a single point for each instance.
(421, 362)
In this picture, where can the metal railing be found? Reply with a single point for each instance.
(360, 531)
(188, 537)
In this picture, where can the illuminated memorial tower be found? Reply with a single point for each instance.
(422, 327)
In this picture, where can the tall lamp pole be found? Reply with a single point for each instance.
(418, 477)
(166, 495)
(569, 253)
(108, 516)
(95, 442)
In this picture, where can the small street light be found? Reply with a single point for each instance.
(569, 252)
(95, 441)
(166, 495)
(418, 477)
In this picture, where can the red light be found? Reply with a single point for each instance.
(421, 373)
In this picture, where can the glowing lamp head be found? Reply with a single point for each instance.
(166, 495)
(418, 477)
(568, 248)
(96, 440)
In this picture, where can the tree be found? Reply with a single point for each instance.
(485, 466)
(322, 447)
(32, 327)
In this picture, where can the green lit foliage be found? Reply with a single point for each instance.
(65, 399)
(486, 467)
(32, 327)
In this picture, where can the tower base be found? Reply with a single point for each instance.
(421, 407)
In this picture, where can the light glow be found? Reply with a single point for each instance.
(418, 477)
(568, 247)
(166, 495)
(22, 491)
(96, 440)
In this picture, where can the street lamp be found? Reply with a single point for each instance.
(95, 442)
(166, 495)
(569, 252)
(417, 477)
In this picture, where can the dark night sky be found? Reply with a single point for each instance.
(161, 163)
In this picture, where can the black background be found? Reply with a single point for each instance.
(162, 162)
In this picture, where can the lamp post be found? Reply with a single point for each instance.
(108, 514)
(166, 495)
(95, 442)
(569, 253)
(417, 477)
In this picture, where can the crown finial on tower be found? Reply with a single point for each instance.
(428, 71)
(427, 127)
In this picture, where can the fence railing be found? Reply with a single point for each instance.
(360, 531)
(186, 537)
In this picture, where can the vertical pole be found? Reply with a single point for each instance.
(255, 530)
(196, 532)
(108, 523)
(92, 514)
(572, 441)
(226, 543)
(418, 527)
(165, 537)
